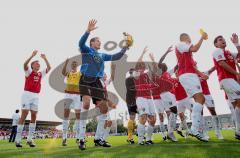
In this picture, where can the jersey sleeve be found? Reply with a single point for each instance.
(28, 72)
(183, 47)
(218, 55)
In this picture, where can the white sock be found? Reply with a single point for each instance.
(100, 128)
(32, 127)
(237, 116)
(65, 128)
(171, 122)
(149, 132)
(196, 116)
(82, 129)
(106, 133)
(162, 129)
(141, 132)
(232, 111)
(202, 127)
(77, 126)
(216, 123)
(82, 125)
(19, 133)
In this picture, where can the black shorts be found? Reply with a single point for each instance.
(132, 109)
(92, 86)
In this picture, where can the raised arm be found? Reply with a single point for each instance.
(64, 70)
(140, 59)
(165, 54)
(235, 41)
(154, 64)
(82, 42)
(113, 69)
(195, 48)
(114, 57)
(43, 56)
(25, 65)
(211, 70)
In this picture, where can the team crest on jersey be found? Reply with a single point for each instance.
(220, 57)
(97, 58)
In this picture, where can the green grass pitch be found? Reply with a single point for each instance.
(190, 148)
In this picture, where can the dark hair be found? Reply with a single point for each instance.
(131, 70)
(182, 35)
(163, 67)
(93, 40)
(216, 39)
(33, 62)
(17, 111)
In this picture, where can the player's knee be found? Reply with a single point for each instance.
(109, 123)
(143, 119)
(199, 98)
(237, 103)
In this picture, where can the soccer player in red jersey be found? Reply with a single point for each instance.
(145, 105)
(228, 76)
(30, 97)
(189, 79)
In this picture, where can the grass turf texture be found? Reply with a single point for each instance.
(190, 147)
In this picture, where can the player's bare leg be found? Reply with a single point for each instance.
(20, 127)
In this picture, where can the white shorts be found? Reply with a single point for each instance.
(231, 88)
(30, 101)
(184, 104)
(145, 106)
(169, 99)
(190, 83)
(160, 106)
(209, 102)
(74, 103)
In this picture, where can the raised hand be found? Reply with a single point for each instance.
(92, 25)
(169, 49)
(151, 57)
(145, 50)
(234, 39)
(43, 56)
(34, 53)
(204, 36)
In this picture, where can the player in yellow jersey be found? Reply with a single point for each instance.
(72, 98)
